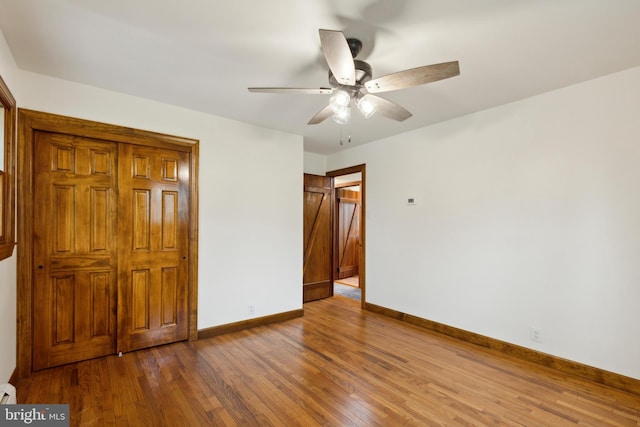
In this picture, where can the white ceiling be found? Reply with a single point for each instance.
(203, 54)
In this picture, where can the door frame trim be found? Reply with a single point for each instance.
(362, 168)
(29, 122)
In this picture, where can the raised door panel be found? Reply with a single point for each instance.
(74, 279)
(154, 215)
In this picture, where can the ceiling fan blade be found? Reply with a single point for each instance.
(413, 77)
(308, 91)
(338, 55)
(388, 108)
(321, 115)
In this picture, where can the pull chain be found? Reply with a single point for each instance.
(348, 137)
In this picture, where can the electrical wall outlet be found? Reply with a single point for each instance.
(536, 334)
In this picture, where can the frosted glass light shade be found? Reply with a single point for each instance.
(342, 116)
(366, 106)
(339, 101)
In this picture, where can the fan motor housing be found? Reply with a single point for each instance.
(355, 46)
(363, 74)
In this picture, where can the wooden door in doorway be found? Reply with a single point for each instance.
(318, 247)
(348, 218)
(153, 246)
(74, 247)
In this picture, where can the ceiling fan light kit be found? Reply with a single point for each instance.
(351, 80)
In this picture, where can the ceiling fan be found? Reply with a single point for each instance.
(350, 79)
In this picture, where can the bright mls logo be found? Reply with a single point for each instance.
(36, 415)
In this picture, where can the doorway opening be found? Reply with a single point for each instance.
(349, 232)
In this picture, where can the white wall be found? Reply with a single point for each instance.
(315, 164)
(250, 230)
(9, 73)
(528, 215)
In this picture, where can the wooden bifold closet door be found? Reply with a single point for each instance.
(153, 242)
(74, 243)
(110, 247)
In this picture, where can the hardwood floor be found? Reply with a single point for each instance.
(350, 281)
(335, 366)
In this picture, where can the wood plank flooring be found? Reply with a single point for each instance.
(350, 281)
(336, 366)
